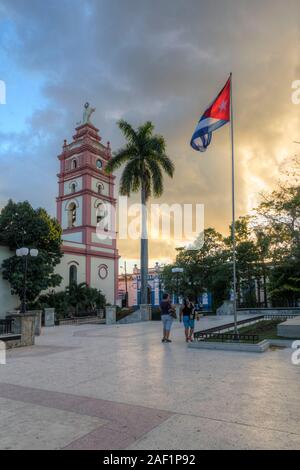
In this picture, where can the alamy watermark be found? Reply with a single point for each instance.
(296, 93)
(2, 92)
(2, 353)
(181, 223)
(295, 358)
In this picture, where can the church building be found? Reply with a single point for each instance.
(85, 197)
(85, 193)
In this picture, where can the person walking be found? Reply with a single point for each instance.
(188, 314)
(166, 309)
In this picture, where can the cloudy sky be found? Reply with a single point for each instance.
(159, 60)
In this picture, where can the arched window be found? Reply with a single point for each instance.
(74, 164)
(73, 187)
(100, 188)
(73, 274)
(100, 212)
(71, 214)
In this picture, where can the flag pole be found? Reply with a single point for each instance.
(233, 209)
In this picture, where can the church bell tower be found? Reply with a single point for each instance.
(85, 193)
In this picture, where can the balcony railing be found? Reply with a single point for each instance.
(6, 326)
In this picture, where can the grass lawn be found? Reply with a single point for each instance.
(265, 329)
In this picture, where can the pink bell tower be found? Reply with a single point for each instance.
(85, 192)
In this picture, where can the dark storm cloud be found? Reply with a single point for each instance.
(164, 61)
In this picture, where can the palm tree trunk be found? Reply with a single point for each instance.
(144, 249)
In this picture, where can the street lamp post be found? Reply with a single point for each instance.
(157, 283)
(126, 285)
(24, 253)
(177, 271)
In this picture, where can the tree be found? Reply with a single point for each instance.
(204, 269)
(263, 243)
(74, 298)
(145, 159)
(284, 282)
(21, 225)
(267, 254)
(247, 259)
(85, 298)
(56, 300)
(94, 299)
(77, 295)
(279, 216)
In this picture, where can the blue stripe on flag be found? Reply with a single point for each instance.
(204, 133)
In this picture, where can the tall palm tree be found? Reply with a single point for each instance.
(144, 156)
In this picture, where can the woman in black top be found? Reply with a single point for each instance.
(188, 314)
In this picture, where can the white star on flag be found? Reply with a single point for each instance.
(223, 105)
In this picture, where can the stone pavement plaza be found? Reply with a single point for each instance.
(119, 387)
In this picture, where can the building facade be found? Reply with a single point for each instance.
(7, 300)
(131, 283)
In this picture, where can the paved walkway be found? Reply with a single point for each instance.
(117, 387)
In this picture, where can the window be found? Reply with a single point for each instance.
(74, 164)
(73, 274)
(100, 212)
(100, 188)
(73, 187)
(99, 164)
(71, 214)
(103, 271)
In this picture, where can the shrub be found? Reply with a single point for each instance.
(74, 300)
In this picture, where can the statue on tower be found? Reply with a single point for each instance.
(88, 110)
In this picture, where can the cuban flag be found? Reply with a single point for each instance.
(215, 116)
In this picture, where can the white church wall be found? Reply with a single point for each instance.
(104, 187)
(105, 241)
(69, 161)
(107, 285)
(94, 212)
(64, 267)
(75, 237)
(104, 250)
(68, 185)
(7, 301)
(78, 202)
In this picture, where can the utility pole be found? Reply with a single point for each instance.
(126, 285)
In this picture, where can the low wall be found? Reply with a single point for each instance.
(111, 314)
(49, 317)
(260, 347)
(7, 300)
(145, 310)
(284, 311)
(24, 325)
(289, 328)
